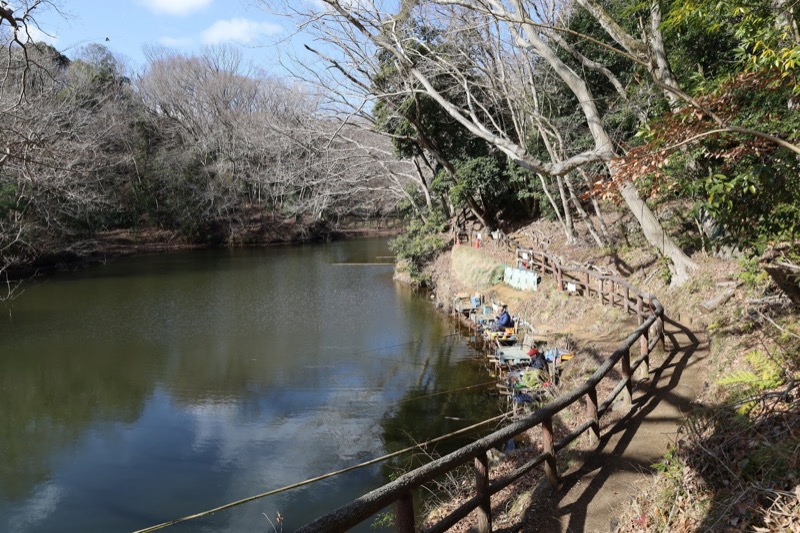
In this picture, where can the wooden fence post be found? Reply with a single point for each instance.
(591, 414)
(559, 279)
(404, 513)
(644, 339)
(613, 293)
(600, 290)
(550, 464)
(627, 392)
(659, 325)
(644, 342)
(627, 300)
(484, 509)
(639, 309)
(644, 347)
(588, 287)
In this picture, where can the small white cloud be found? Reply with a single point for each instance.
(319, 5)
(175, 42)
(37, 508)
(239, 29)
(175, 7)
(37, 35)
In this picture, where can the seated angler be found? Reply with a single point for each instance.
(503, 320)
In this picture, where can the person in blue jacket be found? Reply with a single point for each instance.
(503, 320)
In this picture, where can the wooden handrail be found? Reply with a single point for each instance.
(398, 491)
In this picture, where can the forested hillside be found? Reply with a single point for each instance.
(683, 113)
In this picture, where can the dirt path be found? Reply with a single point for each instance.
(594, 490)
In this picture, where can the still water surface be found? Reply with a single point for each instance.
(158, 386)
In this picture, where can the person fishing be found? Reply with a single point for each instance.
(503, 320)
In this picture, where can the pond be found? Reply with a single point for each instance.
(159, 386)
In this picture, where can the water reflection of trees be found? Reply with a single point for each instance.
(429, 411)
(50, 400)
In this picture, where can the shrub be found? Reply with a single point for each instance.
(420, 244)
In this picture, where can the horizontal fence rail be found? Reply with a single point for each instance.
(609, 291)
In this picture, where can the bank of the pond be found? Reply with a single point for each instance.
(724, 306)
(105, 246)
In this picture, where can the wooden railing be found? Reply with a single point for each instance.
(648, 335)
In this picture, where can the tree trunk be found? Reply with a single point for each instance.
(656, 236)
(663, 71)
(650, 225)
(600, 222)
(570, 225)
(554, 205)
(423, 183)
(583, 214)
(614, 30)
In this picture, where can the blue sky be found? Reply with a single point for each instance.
(184, 25)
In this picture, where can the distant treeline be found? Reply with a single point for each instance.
(200, 145)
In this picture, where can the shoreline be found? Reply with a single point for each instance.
(111, 245)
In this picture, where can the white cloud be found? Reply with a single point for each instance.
(37, 35)
(239, 29)
(175, 42)
(37, 508)
(175, 7)
(319, 5)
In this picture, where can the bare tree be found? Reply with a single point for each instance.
(252, 141)
(67, 159)
(367, 29)
(18, 59)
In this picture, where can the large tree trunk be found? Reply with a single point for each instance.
(662, 71)
(651, 227)
(655, 234)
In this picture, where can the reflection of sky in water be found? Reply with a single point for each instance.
(156, 387)
(36, 509)
(171, 458)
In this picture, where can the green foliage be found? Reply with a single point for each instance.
(383, 520)
(749, 186)
(749, 34)
(766, 373)
(739, 58)
(421, 242)
(757, 201)
(752, 275)
(701, 47)
(492, 182)
(664, 272)
(670, 466)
